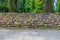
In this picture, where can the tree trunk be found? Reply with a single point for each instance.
(13, 4)
(49, 4)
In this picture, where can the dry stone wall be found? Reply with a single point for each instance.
(30, 20)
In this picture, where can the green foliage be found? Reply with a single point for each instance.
(4, 6)
(38, 6)
(28, 6)
(23, 6)
(20, 5)
(58, 6)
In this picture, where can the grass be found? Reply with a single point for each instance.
(39, 28)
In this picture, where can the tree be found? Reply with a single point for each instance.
(49, 6)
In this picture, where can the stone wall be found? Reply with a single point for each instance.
(30, 20)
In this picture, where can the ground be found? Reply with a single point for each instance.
(29, 34)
